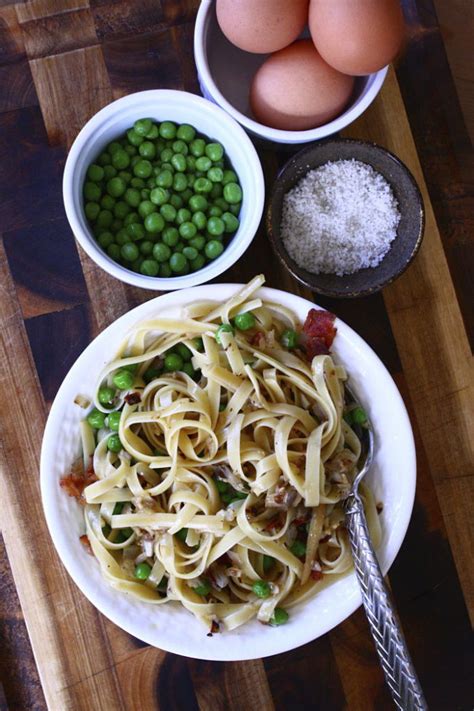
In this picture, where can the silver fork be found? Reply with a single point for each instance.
(384, 624)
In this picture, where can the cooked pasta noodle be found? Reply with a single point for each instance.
(225, 494)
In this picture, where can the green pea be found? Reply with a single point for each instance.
(106, 395)
(114, 420)
(142, 571)
(215, 226)
(125, 175)
(92, 209)
(130, 150)
(122, 237)
(183, 351)
(187, 230)
(244, 321)
(197, 147)
(198, 203)
(145, 208)
(113, 250)
(168, 130)
(113, 147)
(214, 151)
(164, 179)
(215, 175)
(231, 223)
(235, 209)
(147, 150)
(197, 263)
(146, 247)
(178, 262)
(120, 159)
(132, 197)
(104, 218)
(143, 169)
(217, 190)
(289, 339)
(298, 549)
(168, 212)
(123, 379)
(96, 419)
(92, 192)
(137, 183)
(152, 133)
(170, 236)
(166, 155)
(198, 344)
(142, 126)
(186, 133)
(134, 161)
(95, 173)
(359, 416)
(161, 252)
(149, 267)
(178, 161)
(190, 253)
(136, 265)
(129, 251)
(204, 588)
(116, 187)
(182, 534)
(180, 182)
(215, 211)
(199, 219)
(103, 159)
(159, 196)
(116, 225)
(233, 193)
(154, 223)
(183, 215)
(280, 616)
(268, 563)
(109, 172)
(151, 374)
(173, 362)
(107, 202)
(229, 177)
(213, 249)
(114, 443)
(188, 369)
(202, 185)
(223, 328)
(203, 164)
(261, 588)
(135, 231)
(105, 239)
(190, 164)
(176, 200)
(134, 138)
(165, 270)
(121, 209)
(180, 246)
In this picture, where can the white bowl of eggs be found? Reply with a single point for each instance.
(294, 72)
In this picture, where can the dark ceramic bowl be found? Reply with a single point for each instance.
(410, 229)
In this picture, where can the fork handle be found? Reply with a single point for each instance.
(385, 628)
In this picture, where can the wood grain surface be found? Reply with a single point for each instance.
(61, 61)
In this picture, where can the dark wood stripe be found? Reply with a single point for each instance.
(115, 19)
(443, 144)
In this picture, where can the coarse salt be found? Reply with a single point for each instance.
(339, 218)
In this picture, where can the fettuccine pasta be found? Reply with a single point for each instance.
(214, 472)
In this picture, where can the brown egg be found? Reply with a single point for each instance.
(261, 26)
(356, 36)
(295, 89)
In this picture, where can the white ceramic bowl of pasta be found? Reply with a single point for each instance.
(180, 106)
(171, 627)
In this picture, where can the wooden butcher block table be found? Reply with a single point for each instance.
(60, 62)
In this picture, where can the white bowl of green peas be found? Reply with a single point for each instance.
(163, 190)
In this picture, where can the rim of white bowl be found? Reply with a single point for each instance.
(211, 270)
(275, 134)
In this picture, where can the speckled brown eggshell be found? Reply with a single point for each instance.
(295, 89)
(261, 26)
